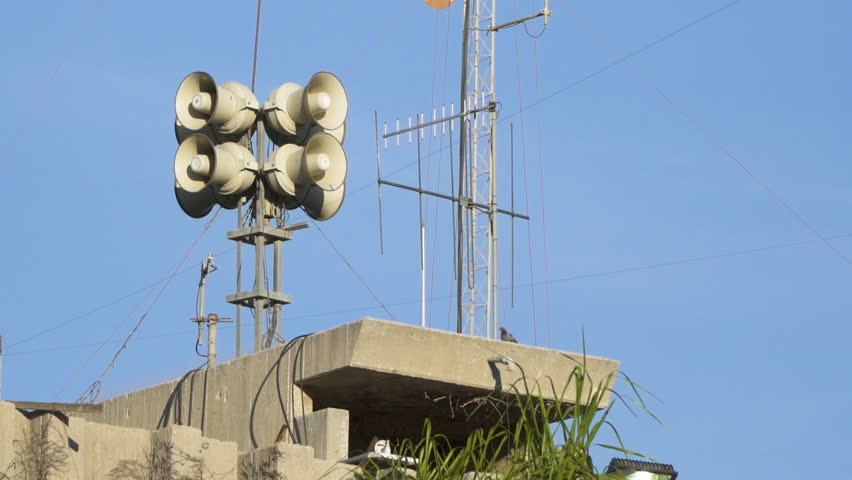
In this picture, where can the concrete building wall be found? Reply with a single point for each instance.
(92, 450)
(244, 400)
(388, 376)
(326, 432)
(13, 427)
(294, 462)
(98, 448)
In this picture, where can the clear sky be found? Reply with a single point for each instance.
(669, 183)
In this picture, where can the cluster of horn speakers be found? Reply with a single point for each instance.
(214, 163)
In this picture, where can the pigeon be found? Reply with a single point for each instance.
(506, 336)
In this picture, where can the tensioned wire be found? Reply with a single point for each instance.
(710, 137)
(526, 183)
(604, 68)
(174, 271)
(571, 278)
(367, 185)
(620, 60)
(36, 105)
(541, 182)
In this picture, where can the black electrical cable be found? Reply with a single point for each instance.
(287, 419)
(299, 354)
(537, 35)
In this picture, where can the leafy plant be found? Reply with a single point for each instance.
(535, 437)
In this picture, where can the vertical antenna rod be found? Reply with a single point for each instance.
(491, 305)
(512, 208)
(422, 228)
(462, 147)
(379, 184)
(476, 253)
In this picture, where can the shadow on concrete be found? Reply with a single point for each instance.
(495, 374)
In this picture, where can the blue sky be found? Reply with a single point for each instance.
(664, 251)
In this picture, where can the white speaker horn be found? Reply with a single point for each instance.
(182, 133)
(321, 162)
(229, 202)
(229, 168)
(303, 132)
(230, 108)
(321, 204)
(322, 101)
(247, 109)
(234, 169)
(195, 149)
(195, 204)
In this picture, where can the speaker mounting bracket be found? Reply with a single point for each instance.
(270, 297)
(270, 234)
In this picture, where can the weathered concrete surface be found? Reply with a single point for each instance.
(93, 450)
(389, 376)
(194, 454)
(96, 449)
(386, 350)
(13, 426)
(294, 462)
(244, 400)
(326, 431)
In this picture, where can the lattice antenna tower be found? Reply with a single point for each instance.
(476, 249)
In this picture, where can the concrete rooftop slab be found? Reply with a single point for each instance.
(391, 376)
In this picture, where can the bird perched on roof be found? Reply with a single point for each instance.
(506, 336)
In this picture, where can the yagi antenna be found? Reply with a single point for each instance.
(475, 197)
(418, 130)
(417, 125)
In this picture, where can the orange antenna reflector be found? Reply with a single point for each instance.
(440, 4)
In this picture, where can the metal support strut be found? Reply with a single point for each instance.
(260, 234)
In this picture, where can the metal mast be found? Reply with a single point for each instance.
(477, 227)
(477, 219)
(475, 239)
(307, 171)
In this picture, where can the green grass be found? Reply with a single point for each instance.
(535, 438)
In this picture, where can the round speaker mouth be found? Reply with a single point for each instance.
(194, 84)
(321, 204)
(324, 144)
(326, 99)
(195, 204)
(194, 146)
